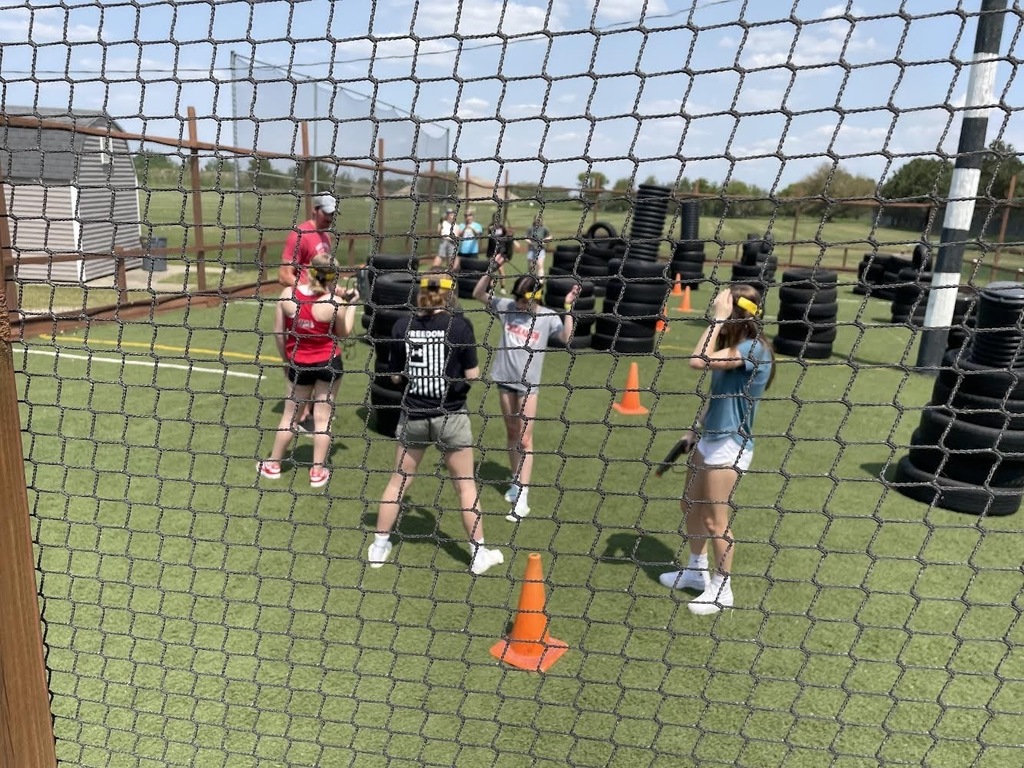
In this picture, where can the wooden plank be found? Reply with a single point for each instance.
(26, 726)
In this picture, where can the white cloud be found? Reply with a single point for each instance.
(482, 17)
(20, 25)
(472, 107)
(627, 10)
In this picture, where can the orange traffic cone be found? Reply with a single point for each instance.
(685, 305)
(661, 326)
(630, 404)
(529, 646)
(677, 289)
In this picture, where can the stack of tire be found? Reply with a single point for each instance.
(688, 254)
(471, 269)
(391, 284)
(647, 221)
(878, 274)
(589, 261)
(967, 454)
(634, 302)
(808, 314)
(555, 291)
(757, 263)
(637, 286)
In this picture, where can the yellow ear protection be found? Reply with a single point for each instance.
(744, 303)
(325, 275)
(519, 290)
(437, 283)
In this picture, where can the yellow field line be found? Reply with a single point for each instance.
(164, 348)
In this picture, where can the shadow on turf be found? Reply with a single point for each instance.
(645, 552)
(418, 525)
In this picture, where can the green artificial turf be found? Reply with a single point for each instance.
(197, 617)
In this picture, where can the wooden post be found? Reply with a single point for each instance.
(26, 726)
(121, 277)
(197, 201)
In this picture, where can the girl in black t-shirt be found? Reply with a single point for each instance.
(434, 353)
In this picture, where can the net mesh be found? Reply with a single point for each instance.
(196, 613)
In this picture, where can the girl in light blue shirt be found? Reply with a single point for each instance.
(742, 366)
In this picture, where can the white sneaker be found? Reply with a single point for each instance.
(484, 559)
(378, 554)
(711, 600)
(512, 494)
(687, 578)
(519, 511)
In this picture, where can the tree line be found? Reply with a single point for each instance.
(829, 191)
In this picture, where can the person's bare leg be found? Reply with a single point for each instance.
(407, 461)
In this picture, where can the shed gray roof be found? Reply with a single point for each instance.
(35, 154)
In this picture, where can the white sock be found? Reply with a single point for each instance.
(697, 562)
(524, 493)
(381, 539)
(720, 583)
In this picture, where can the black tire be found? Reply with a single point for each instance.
(801, 349)
(645, 293)
(625, 308)
(813, 334)
(393, 290)
(957, 368)
(623, 346)
(601, 229)
(629, 328)
(810, 276)
(814, 312)
(640, 269)
(952, 495)
(789, 294)
(974, 467)
(385, 409)
(386, 262)
(940, 426)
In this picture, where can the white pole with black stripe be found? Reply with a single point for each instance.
(963, 188)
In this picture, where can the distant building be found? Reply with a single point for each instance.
(68, 193)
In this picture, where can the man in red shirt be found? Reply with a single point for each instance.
(306, 241)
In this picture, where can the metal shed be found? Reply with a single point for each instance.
(68, 194)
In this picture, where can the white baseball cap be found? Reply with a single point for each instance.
(325, 203)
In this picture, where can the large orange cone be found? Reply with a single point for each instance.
(529, 646)
(685, 305)
(630, 404)
(677, 289)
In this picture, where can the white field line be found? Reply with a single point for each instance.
(145, 363)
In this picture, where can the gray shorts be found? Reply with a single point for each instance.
(451, 432)
(446, 250)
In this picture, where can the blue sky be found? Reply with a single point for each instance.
(748, 89)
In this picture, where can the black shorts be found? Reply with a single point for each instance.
(308, 375)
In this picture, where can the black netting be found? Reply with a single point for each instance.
(208, 599)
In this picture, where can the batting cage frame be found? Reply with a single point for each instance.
(260, 405)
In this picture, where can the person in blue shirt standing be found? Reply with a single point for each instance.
(468, 234)
(742, 367)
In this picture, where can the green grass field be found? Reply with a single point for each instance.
(197, 617)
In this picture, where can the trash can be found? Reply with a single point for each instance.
(155, 263)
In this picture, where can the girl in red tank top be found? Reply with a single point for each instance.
(309, 324)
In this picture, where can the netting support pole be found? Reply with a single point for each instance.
(26, 727)
(963, 187)
(197, 200)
